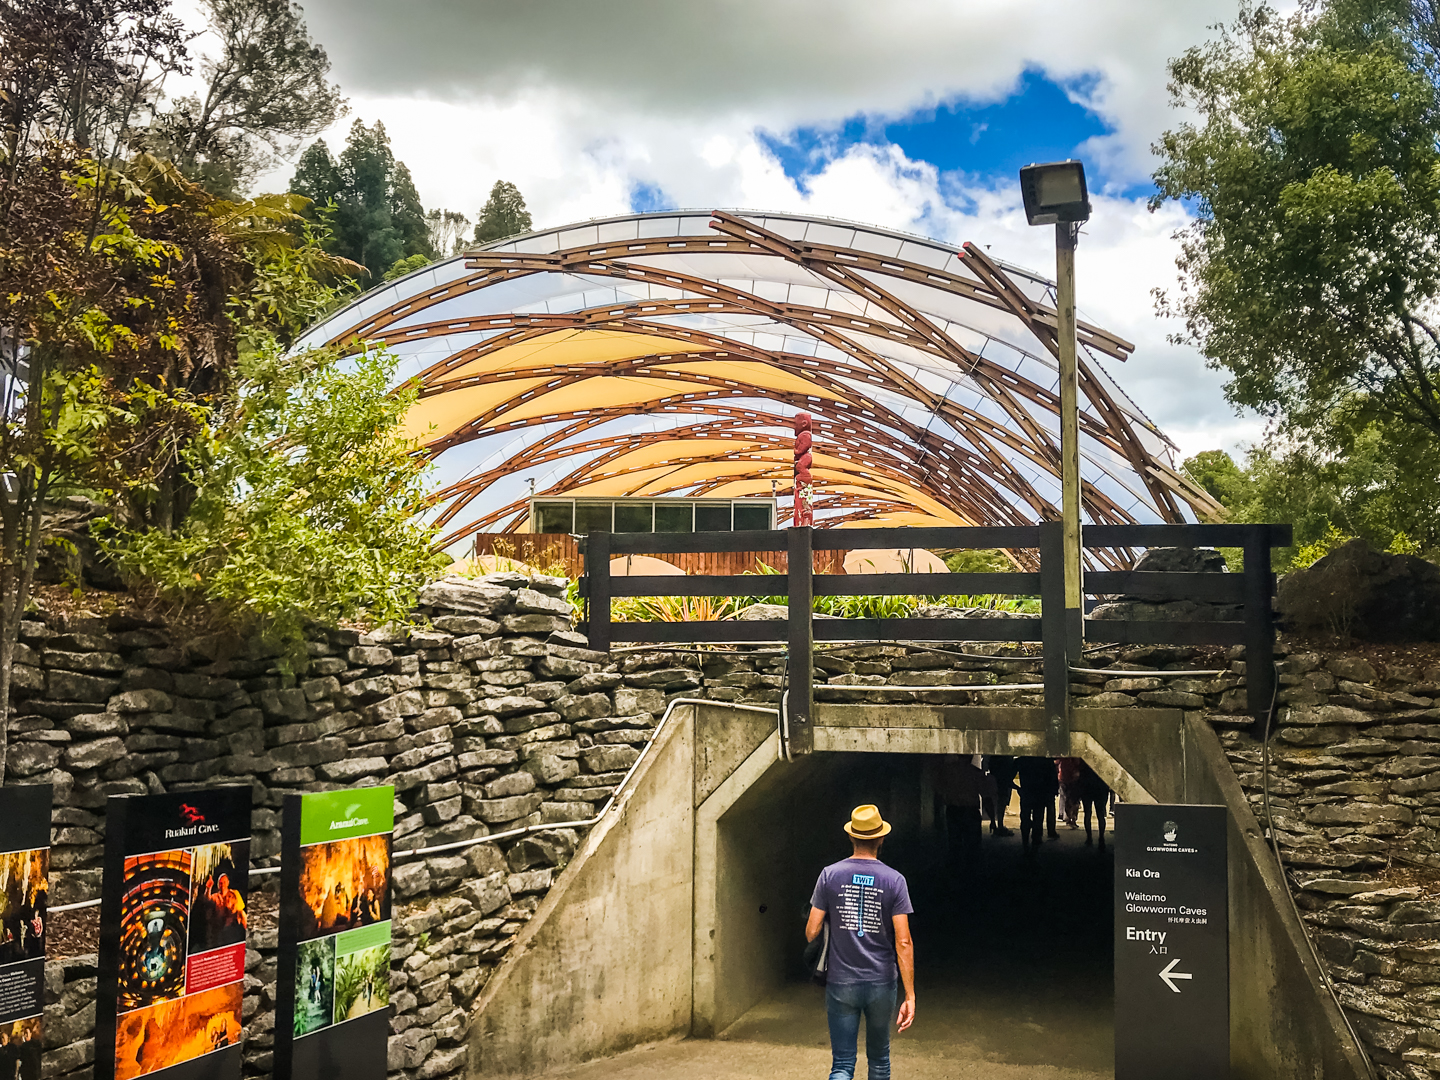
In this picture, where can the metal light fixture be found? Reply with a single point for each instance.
(1055, 193)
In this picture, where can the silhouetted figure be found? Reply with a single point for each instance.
(1037, 791)
(1094, 793)
(1069, 772)
(1001, 768)
(960, 778)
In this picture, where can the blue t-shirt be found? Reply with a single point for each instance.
(861, 896)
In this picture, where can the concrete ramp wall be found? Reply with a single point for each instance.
(674, 917)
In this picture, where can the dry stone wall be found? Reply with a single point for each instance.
(1354, 804)
(489, 714)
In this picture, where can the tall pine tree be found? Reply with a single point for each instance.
(377, 218)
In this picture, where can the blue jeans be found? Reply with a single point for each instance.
(844, 1004)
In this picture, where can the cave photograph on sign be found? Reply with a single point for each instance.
(332, 1016)
(173, 931)
(24, 925)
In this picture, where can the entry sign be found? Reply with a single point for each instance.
(1172, 963)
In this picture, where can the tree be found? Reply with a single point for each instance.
(503, 214)
(367, 198)
(309, 500)
(448, 230)
(1377, 481)
(1312, 270)
(115, 330)
(265, 90)
(81, 71)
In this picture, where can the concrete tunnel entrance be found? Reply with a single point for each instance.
(1014, 956)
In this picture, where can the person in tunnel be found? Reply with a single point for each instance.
(1037, 792)
(1001, 769)
(868, 905)
(960, 779)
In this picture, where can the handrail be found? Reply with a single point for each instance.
(410, 853)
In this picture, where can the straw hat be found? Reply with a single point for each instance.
(867, 824)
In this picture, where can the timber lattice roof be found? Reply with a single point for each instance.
(666, 354)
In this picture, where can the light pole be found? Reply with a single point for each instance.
(1055, 194)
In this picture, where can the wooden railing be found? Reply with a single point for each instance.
(1252, 589)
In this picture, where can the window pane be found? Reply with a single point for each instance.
(592, 517)
(712, 518)
(554, 517)
(752, 516)
(674, 518)
(631, 518)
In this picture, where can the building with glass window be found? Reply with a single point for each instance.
(645, 371)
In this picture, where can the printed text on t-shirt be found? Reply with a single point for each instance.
(860, 905)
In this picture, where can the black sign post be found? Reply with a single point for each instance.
(1172, 961)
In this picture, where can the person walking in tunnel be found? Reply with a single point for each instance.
(1001, 768)
(868, 905)
(1095, 794)
(960, 779)
(1069, 772)
(1037, 791)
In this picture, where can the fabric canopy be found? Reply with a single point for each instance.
(667, 354)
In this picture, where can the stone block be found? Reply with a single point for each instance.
(533, 602)
(90, 662)
(509, 705)
(31, 758)
(369, 656)
(548, 769)
(599, 759)
(558, 813)
(668, 679)
(508, 809)
(584, 706)
(103, 723)
(516, 725)
(348, 770)
(437, 813)
(1358, 813)
(410, 878)
(534, 624)
(71, 686)
(632, 702)
(516, 783)
(530, 881)
(488, 893)
(466, 597)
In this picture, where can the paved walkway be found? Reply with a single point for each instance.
(1014, 983)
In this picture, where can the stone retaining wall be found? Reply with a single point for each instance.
(489, 714)
(1354, 793)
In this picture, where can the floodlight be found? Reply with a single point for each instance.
(1055, 193)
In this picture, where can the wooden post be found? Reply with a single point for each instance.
(1055, 638)
(1259, 628)
(597, 571)
(1065, 233)
(800, 690)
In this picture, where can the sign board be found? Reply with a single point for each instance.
(1172, 960)
(173, 921)
(332, 1016)
(24, 906)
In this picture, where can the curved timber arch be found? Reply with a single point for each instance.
(667, 354)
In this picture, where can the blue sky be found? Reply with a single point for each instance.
(983, 142)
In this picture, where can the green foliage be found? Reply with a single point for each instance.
(1377, 481)
(407, 265)
(449, 231)
(1313, 266)
(503, 214)
(308, 496)
(978, 561)
(376, 218)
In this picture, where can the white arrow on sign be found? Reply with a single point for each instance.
(1170, 975)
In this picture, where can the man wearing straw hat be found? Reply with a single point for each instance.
(868, 905)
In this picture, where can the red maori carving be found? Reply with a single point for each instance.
(804, 488)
